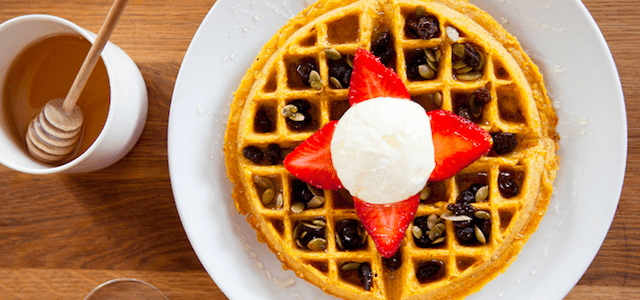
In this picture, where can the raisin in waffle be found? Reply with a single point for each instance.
(450, 55)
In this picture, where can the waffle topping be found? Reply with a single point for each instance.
(504, 142)
(467, 61)
(350, 234)
(430, 271)
(339, 69)
(311, 235)
(422, 27)
(311, 160)
(477, 226)
(387, 223)
(262, 122)
(382, 150)
(382, 47)
(253, 154)
(507, 185)
(458, 142)
(475, 193)
(304, 68)
(297, 114)
(371, 79)
(394, 262)
(422, 64)
(428, 231)
(366, 276)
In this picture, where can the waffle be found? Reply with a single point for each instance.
(305, 227)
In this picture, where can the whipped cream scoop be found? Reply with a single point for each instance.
(382, 150)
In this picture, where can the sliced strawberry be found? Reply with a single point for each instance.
(387, 223)
(311, 160)
(457, 141)
(371, 79)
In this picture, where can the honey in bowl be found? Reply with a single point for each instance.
(45, 71)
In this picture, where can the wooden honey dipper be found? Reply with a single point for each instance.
(53, 135)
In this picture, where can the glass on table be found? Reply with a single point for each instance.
(125, 289)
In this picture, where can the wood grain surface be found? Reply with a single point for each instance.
(61, 235)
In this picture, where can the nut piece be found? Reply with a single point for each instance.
(479, 235)
(332, 54)
(449, 216)
(279, 201)
(262, 182)
(315, 81)
(289, 110)
(417, 232)
(437, 99)
(268, 196)
(425, 193)
(350, 266)
(298, 207)
(452, 34)
(426, 72)
(316, 202)
(335, 82)
(482, 194)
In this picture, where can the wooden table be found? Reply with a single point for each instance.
(62, 235)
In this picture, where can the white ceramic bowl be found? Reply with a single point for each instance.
(128, 98)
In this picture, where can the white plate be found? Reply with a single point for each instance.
(560, 36)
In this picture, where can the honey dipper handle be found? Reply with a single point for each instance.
(94, 54)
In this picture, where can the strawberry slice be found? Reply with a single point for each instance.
(386, 223)
(311, 160)
(371, 79)
(457, 141)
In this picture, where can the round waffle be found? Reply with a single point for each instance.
(449, 54)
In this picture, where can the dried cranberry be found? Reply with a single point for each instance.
(426, 27)
(298, 125)
(300, 191)
(430, 271)
(262, 122)
(421, 222)
(366, 276)
(507, 186)
(466, 196)
(304, 67)
(303, 107)
(340, 69)
(349, 232)
(308, 233)
(394, 262)
(504, 142)
(424, 241)
(461, 209)
(471, 56)
(302, 104)
(475, 187)
(466, 235)
(253, 154)
(462, 224)
(469, 195)
(414, 59)
(464, 112)
(485, 227)
(382, 47)
(273, 154)
(483, 96)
